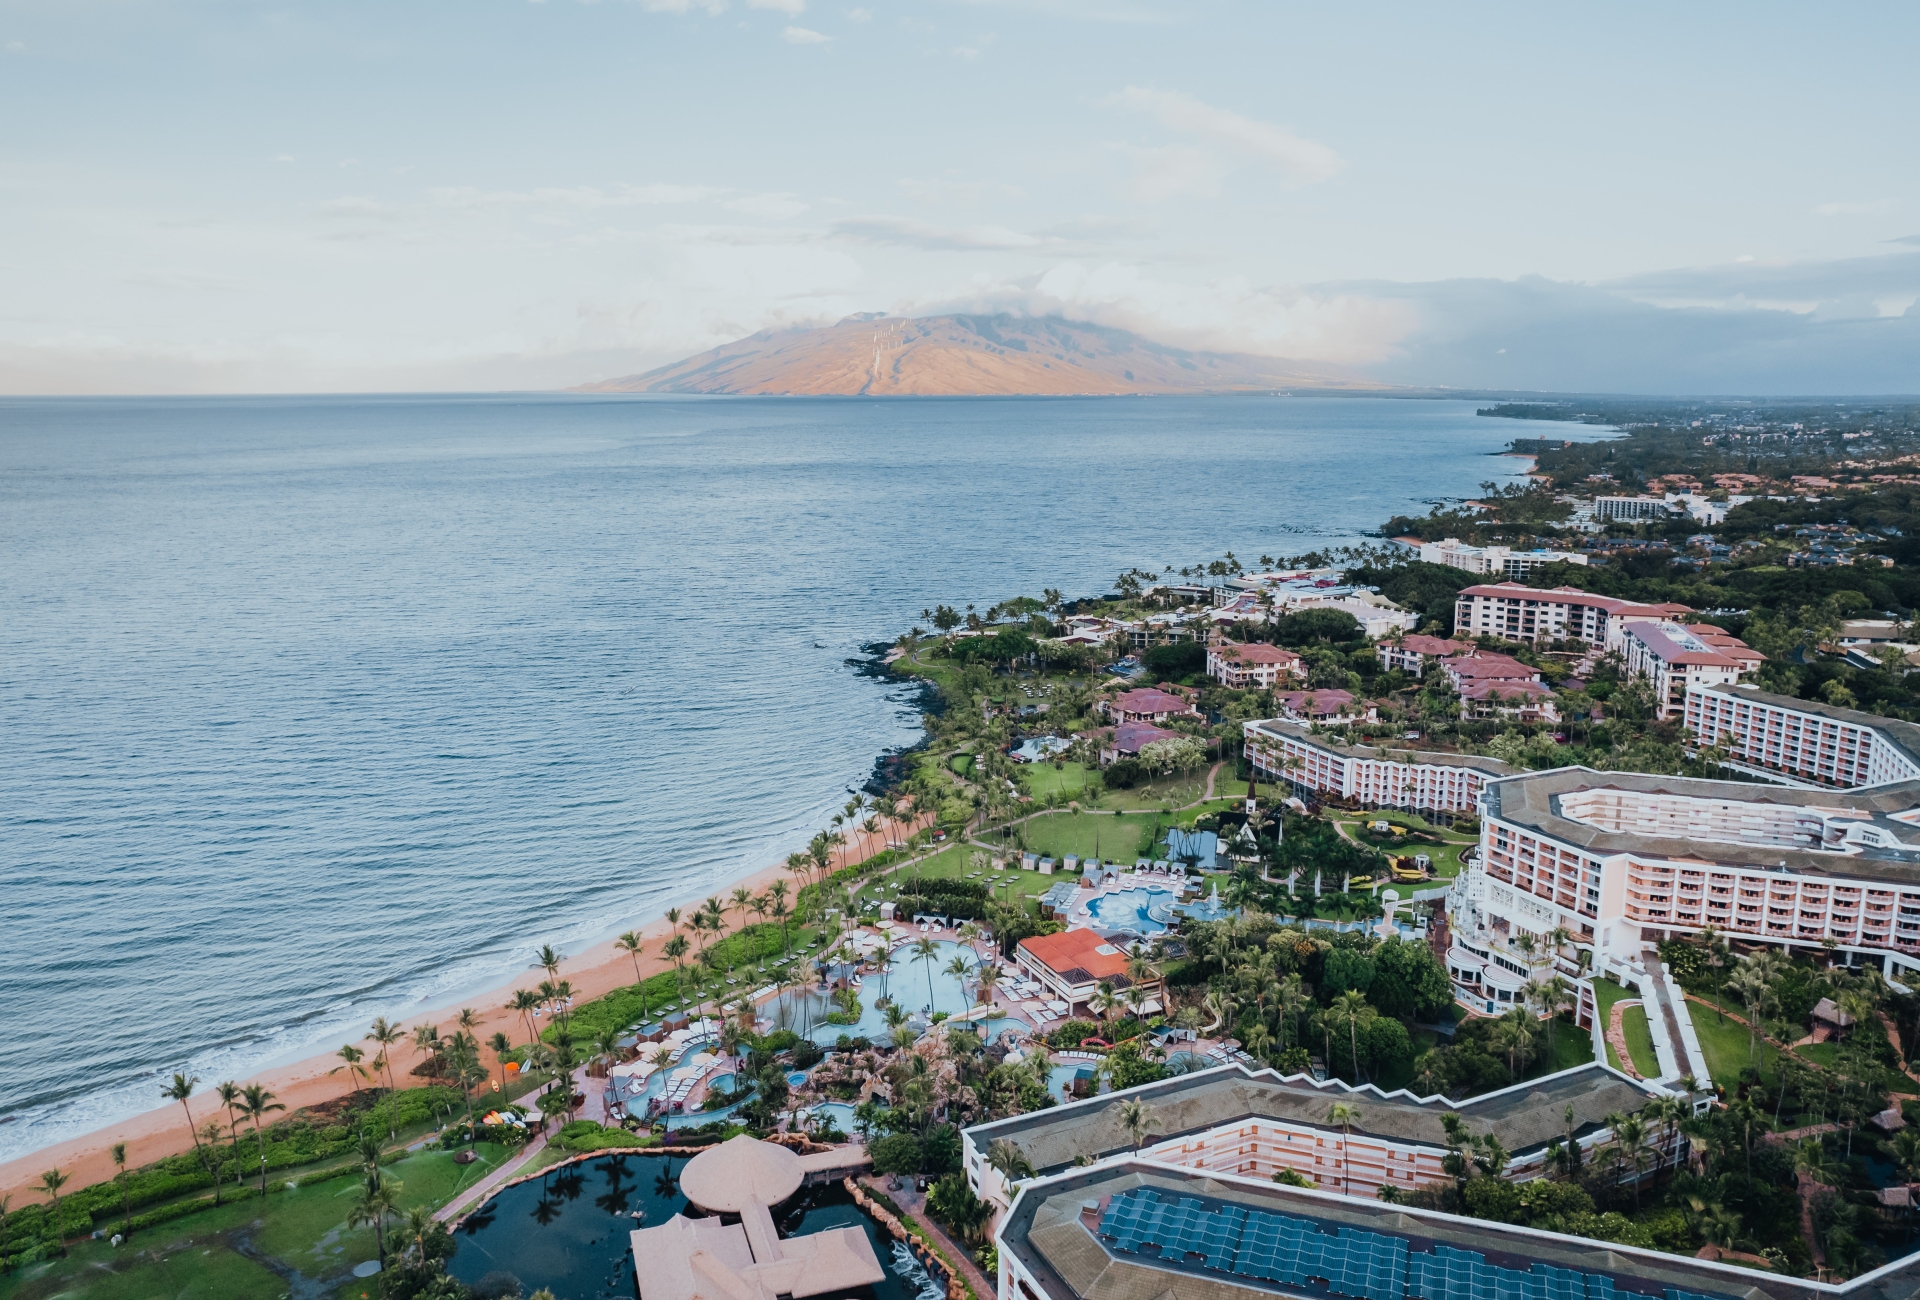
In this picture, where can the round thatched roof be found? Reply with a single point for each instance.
(722, 1179)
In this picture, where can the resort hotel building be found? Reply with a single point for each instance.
(1238, 1120)
(1622, 860)
(1136, 1229)
(1517, 613)
(1797, 741)
(1294, 754)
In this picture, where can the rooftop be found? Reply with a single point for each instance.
(1296, 731)
(1561, 803)
(1345, 1248)
(1078, 956)
(1524, 1117)
(706, 1259)
(724, 1179)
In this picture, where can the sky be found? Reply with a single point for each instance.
(496, 194)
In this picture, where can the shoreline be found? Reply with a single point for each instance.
(161, 1132)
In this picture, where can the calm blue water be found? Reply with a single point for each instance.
(1131, 909)
(318, 709)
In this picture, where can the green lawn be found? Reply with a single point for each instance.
(1725, 1044)
(1572, 1046)
(1639, 1035)
(1067, 780)
(245, 1249)
(1605, 994)
(961, 763)
(1824, 1055)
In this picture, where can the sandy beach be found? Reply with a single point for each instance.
(163, 1131)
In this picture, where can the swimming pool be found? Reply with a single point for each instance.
(918, 985)
(838, 1111)
(1141, 910)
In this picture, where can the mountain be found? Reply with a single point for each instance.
(955, 356)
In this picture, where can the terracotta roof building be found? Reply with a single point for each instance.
(1074, 962)
(1252, 666)
(1148, 704)
(1519, 613)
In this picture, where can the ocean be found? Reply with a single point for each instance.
(316, 709)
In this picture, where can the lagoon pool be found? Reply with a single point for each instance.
(917, 985)
(1141, 910)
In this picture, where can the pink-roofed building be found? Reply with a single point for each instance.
(1252, 666)
(1412, 654)
(1326, 705)
(1129, 738)
(1516, 612)
(1149, 704)
(1673, 659)
(1522, 701)
(1465, 670)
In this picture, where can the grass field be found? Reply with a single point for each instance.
(1725, 1045)
(1639, 1036)
(297, 1242)
(1068, 780)
(1605, 994)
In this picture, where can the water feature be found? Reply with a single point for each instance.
(915, 984)
(569, 1230)
(1140, 910)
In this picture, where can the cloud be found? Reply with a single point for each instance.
(579, 196)
(1853, 288)
(1172, 172)
(859, 15)
(948, 192)
(804, 36)
(1226, 315)
(905, 233)
(783, 6)
(776, 207)
(1305, 161)
(683, 6)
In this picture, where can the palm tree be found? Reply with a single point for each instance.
(1349, 1006)
(1630, 1138)
(1137, 1119)
(1103, 1001)
(1344, 1113)
(50, 1184)
(742, 898)
(386, 1036)
(468, 1019)
(229, 1094)
(179, 1090)
(1005, 1158)
(258, 1102)
(550, 961)
(759, 905)
(352, 1056)
(375, 1204)
(715, 913)
(925, 950)
(526, 1002)
(119, 1153)
(1666, 1112)
(959, 969)
(986, 976)
(779, 911)
(502, 1049)
(676, 951)
(426, 1041)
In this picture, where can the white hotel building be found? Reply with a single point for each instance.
(1292, 753)
(1518, 613)
(1801, 741)
(1623, 859)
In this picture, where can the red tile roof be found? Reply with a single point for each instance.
(1257, 652)
(1079, 956)
(1151, 700)
(1429, 645)
(1129, 737)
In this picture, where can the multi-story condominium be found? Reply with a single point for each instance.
(1674, 660)
(1412, 654)
(1252, 666)
(1802, 740)
(1456, 554)
(1390, 778)
(1133, 1228)
(1631, 508)
(1517, 613)
(1619, 859)
(1238, 1120)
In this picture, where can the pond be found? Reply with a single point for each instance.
(917, 985)
(570, 1230)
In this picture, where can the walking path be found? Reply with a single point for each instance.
(508, 1168)
(915, 1206)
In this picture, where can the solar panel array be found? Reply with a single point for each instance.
(1283, 1249)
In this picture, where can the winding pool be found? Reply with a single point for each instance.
(917, 985)
(1133, 909)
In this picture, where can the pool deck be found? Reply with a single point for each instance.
(1081, 915)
